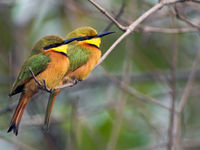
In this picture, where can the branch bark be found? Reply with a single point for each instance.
(123, 28)
(132, 26)
(121, 10)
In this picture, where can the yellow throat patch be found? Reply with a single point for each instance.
(62, 48)
(94, 41)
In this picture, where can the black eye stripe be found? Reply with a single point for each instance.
(52, 46)
(82, 38)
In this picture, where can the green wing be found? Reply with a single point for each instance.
(45, 41)
(37, 63)
(78, 56)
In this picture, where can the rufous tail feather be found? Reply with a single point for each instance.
(49, 109)
(14, 124)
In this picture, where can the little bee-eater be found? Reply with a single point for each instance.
(84, 53)
(49, 65)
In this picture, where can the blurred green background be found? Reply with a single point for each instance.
(97, 114)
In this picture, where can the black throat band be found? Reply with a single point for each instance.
(93, 45)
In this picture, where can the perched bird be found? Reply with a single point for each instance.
(83, 53)
(49, 62)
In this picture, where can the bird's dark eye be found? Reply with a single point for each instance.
(52, 46)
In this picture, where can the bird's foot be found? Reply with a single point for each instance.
(42, 85)
(73, 82)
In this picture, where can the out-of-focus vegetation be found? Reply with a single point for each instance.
(96, 114)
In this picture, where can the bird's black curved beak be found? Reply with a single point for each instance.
(104, 33)
(82, 38)
(73, 39)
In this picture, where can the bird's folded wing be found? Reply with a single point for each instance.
(37, 63)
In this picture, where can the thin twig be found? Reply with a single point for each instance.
(121, 104)
(184, 19)
(166, 30)
(147, 28)
(184, 99)
(123, 28)
(189, 83)
(173, 90)
(121, 10)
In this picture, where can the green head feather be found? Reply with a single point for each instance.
(45, 41)
(83, 31)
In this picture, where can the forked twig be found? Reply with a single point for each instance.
(123, 28)
(184, 19)
(120, 12)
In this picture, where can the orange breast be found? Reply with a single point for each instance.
(83, 71)
(54, 72)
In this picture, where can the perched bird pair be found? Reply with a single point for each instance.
(52, 63)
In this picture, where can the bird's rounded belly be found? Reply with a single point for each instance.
(54, 72)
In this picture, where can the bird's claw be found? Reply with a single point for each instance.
(43, 86)
(73, 82)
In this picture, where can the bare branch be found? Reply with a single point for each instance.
(123, 28)
(121, 10)
(173, 88)
(68, 84)
(184, 99)
(184, 19)
(165, 30)
(189, 83)
(146, 28)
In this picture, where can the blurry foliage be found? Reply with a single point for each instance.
(84, 116)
